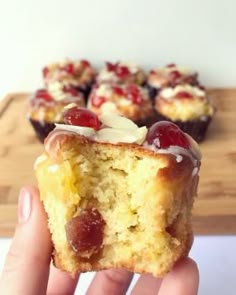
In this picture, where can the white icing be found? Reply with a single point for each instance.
(53, 168)
(85, 131)
(195, 171)
(179, 158)
(176, 151)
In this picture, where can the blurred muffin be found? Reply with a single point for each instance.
(121, 73)
(170, 76)
(74, 74)
(128, 100)
(186, 106)
(45, 110)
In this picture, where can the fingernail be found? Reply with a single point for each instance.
(24, 206)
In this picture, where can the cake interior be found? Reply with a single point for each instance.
(147, 215)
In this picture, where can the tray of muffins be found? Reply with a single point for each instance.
(171, 93)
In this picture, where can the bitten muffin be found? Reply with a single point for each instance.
(121, 73)
(170, 76)
(118, 196)
(44, 110)
(129, 100)
(188, 107)
(74, 74)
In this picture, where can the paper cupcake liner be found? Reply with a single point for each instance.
(42, 129)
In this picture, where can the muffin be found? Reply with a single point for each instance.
(45, 110)
(188, 107)
(118, 196)
(129, 100)
(170, 76)
(121, 73)
(74, 74)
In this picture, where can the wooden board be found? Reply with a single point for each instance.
(215, 207)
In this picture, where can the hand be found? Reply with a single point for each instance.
(27, 269)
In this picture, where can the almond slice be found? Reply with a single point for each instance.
(116, 135)
(117, 122)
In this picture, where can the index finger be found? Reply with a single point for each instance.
(26, 268)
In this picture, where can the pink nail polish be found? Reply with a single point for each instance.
(24, 206)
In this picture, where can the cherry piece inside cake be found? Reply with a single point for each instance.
(116, 195)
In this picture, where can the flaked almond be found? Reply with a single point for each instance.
(117, 122)
(116, 135)
(141, 134)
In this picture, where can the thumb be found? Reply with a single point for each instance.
(26, 268)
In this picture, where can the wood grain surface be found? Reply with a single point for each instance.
(215, 208)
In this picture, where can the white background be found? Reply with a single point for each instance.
(196, 33)
(216, 258)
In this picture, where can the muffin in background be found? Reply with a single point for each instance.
(188, 107)
(74, 74)
(121, 73)
(45, 110)
(170, 76)
(128, 100)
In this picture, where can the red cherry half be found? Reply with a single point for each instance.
(174, 75)
(184, 94)
(134, 94)
(81, 117)
(69, 68)
(85, 63)
(45, 72)
(118, 90)
(122, 71)
(171, 65)
(97, 101)
(71, 90)
(43, 94)
(111, 67)
(165, 134)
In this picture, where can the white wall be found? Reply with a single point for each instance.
(196, 33)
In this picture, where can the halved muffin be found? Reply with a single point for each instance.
(118, 196)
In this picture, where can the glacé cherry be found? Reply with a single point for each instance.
(81, 117)
(165, 134)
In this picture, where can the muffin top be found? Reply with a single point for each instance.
(171, 75)
(44, 107)
(162, 137)
(68, 72)
(121, 72)
(184, 103)
(129, 100)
